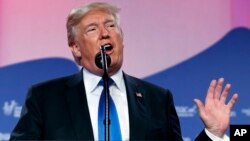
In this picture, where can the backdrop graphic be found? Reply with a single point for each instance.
(228, 58)
(175, 44)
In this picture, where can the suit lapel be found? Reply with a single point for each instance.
(137, 109)
(79, 112)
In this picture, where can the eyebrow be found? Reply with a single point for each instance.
(91, 24)
(108, 21)
(105, 22)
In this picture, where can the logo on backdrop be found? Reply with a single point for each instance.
(233, 113)
(12, 108)
(186, 111)
(246, 111)
(4, 136)
(186, 138)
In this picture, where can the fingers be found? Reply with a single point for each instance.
(218, 88)
(232, 101)
(215, 88)
(225, 93)
(214, 92)
(210, 91)
(200, 106)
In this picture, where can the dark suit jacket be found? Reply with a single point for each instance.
(58, 110)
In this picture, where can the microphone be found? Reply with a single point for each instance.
(103, 61)
(99, 59)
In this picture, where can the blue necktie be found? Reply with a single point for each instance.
(115, 133)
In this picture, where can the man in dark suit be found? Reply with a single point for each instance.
(67, 108)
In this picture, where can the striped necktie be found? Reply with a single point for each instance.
(115, 133)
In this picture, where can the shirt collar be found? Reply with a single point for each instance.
(95, 79)
(118, 79)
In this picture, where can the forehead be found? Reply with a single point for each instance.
(95, 16)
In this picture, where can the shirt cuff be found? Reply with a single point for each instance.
(215, 138)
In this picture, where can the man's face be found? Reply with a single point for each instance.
(98, 28)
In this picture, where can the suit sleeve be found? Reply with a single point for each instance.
(30, 123)
(174, 122)
(202, 137)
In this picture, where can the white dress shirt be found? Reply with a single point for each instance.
(215, 138)
(118, 94)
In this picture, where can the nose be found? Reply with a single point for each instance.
(104, 33)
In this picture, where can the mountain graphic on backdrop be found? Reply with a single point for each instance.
(228, 58)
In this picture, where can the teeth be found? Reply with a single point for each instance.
(108, 46)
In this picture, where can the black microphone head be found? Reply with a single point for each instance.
(98, 60)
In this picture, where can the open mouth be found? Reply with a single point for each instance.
(108, 47)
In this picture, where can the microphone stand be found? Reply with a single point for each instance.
(105, 78)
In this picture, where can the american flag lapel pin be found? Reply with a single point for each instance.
(138, 94)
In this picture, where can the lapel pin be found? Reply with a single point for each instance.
(138, 94)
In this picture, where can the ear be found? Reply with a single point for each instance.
(76, 50)
(121, 31)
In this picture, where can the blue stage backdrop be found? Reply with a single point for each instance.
(228, 58)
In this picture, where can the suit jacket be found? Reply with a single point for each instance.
(58, 110)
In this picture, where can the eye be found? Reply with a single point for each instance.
(110, 25)
(91, 29)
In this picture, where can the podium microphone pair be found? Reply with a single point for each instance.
(103, 61)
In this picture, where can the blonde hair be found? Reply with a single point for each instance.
(76, 15)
